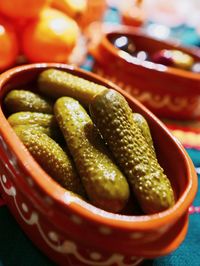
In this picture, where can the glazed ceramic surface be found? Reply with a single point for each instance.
(71, 231)
(168, 92)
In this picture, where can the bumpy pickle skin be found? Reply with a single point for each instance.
(44, 122)
(25, 100)
(45, 130)
(57, 83)
(51, 157)
(105, 185)
(52, 132)
(114, 118)
(141, 122)
(32, 118)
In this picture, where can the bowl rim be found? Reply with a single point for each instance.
(77, 206)
(126, 58)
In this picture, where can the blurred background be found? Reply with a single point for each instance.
(57, 30)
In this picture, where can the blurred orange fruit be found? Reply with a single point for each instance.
(95, 11)
(50, 38)
(73, 8)
(8, 45)
(18, 25)
(22, 8)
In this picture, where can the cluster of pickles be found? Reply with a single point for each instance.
(86, 137)
(168, 57)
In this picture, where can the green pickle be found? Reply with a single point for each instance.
(32, 118)
(46, 130)
(114, 119)
(144, 127)
(57, 83)
(24, 100)
(40, 121)
(105, 185)
(51, 158)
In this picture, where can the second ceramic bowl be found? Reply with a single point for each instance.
(168, 92)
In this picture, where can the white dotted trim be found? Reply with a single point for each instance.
(24, 207)
(95, 256)
(67, 247)
(136, 235)
(105, 230)
(76, 219)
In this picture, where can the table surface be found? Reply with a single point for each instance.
(17, 249)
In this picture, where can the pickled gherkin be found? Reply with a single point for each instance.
(105, 185)
(25, 100)
(114, 118)
(46, 123)
(46, 130)
(52, 132)
(32, 118)
(57, 83)
(144, 127)
(51, 157)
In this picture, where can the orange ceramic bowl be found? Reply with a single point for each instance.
(168, 92)
(71, 231)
